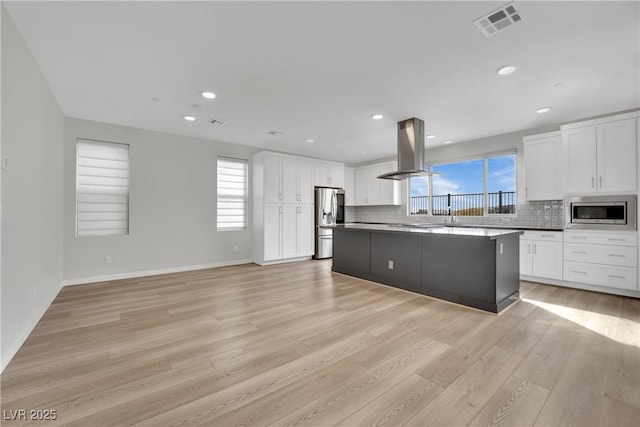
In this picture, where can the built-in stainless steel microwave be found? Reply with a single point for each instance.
(601, 212)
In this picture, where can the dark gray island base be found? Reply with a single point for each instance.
(474, 267)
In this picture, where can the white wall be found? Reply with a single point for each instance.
(172, 222)
(33, 139)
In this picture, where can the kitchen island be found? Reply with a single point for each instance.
(477, 267)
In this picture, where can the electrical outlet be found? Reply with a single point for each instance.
(235, 248)
(5, 162)
(390, 265)
(501, 248)
(108, 259)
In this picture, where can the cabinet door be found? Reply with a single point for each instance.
(361, 186)
(336, 175)
(616, 150)
(526, 257)
(321, 174)
(547, 259)
(305, 231)
(579, 151)
(305, 182)
(289, 232)
(373, 185)
(272, 231)
(272, 178)
(289, 180)
(543, 168)
(388, 190)
(349, 187)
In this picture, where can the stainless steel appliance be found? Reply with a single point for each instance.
(329, 208)
(601, 212)
(410, 151)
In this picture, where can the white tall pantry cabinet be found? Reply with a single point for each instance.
(283, 204)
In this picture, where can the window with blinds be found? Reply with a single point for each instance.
(232, 193)
(102, 188)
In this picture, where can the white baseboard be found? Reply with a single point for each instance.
(583, 286)
(119, 276)
(281, 261)
(8, 354)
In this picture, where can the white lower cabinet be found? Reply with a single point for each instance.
(602, 259)
(541, 254)
(297, 231)
(272, 231)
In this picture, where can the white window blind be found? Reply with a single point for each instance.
(102, 188)
(232, 193)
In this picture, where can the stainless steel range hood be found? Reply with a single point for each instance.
(410, 150)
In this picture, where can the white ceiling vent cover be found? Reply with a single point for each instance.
(498, 20)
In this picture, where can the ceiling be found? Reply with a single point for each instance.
(319, 70)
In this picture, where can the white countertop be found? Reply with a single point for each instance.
(446, 230)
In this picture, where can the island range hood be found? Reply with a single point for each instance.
(410, 151)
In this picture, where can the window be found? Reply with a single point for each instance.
(102, 188)
(483, 186)
(233, 194)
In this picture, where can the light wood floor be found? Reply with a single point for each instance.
(295, 344)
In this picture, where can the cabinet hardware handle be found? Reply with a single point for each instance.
(280, 196)
(616, 240)
(526, 191)
(534, 249)
(529, 248)
(600, 182)
(617, 255)
(578, 237)
(576, 271)
(280, 209)
(616, 277)
(593, 182)
(579, 252)
(546, 235)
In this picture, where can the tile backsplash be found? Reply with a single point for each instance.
(544, 214)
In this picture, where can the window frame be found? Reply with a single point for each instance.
(246, 193)
(485, 208)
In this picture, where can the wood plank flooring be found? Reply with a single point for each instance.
(295, 344)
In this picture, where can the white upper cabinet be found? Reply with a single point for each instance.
(349, 187)
(327, 174)
(601, 156)
(272, 178)
(296, 180)
(373, 191)
(616, 153)
(543, 166)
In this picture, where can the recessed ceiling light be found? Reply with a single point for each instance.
(376, 116)
(364, 152)
(208, 95)
(505, 70)
(447, 141)
(543, 110)
(190, 118)
(310, 141)
(430, 136)
(155, 98)
(197, 107)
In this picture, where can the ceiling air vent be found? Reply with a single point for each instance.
(498, 20)
(218, 122)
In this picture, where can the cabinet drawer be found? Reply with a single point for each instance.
(618, 239)
(551, 236)
(626, 256)
(601, 275)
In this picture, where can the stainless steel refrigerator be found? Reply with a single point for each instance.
(329, 208)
